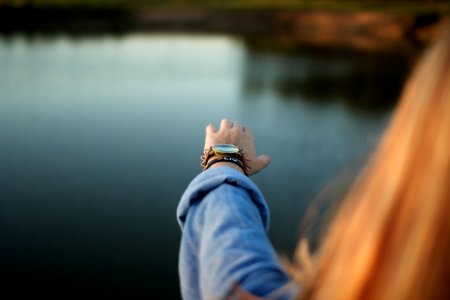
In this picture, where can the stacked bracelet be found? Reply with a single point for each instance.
(224, 153)
(226, 159)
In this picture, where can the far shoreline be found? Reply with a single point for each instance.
(365, 30)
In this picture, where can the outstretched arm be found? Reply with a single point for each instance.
(225, 219)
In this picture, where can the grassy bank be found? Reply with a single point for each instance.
(368, 25)
(397, 7)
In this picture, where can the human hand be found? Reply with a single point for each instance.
(232, 132)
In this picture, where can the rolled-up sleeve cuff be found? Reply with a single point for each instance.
(211, 179)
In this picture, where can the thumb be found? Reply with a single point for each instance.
(259, 163)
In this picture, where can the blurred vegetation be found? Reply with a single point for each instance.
(401, 6)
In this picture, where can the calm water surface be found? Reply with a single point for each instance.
(99, 136)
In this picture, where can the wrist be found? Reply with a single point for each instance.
(227, 164)
(224, 155)
(231, 161)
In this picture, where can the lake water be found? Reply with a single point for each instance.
(99, 136)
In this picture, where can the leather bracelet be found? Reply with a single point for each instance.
(226, 159)
(209, 153)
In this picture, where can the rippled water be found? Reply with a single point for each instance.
(99, 136)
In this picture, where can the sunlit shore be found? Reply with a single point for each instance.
(342, 24)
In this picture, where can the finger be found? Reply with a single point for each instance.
(247, 130)
(225, 124)
(210, 129)
(237, 125)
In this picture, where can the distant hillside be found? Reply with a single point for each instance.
(362, 25)
(411, 6)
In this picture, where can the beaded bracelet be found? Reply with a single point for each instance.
(227, 159)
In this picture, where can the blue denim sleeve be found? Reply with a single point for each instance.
(224, 220)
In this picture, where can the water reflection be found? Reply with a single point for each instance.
(363, 81)
(99, 137)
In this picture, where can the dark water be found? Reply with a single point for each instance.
(99, 137)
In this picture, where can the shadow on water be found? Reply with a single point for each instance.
(369, 82)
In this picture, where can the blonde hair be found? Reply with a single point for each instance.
(391, 237)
